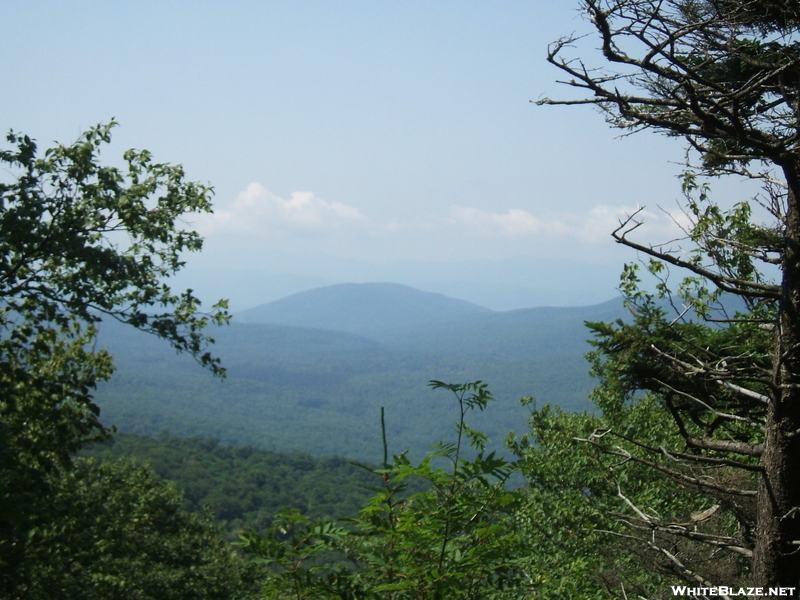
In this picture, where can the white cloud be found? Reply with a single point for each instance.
(265, 223)
(516, 222)
(597, 225)
(592, 227)
(657, 226)
(258, 211)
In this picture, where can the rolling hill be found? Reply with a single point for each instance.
(319, 389)
(369, 309)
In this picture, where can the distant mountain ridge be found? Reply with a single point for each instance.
(318, 384)
(361, 308)
(523, 332)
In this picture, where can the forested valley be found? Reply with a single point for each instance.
(310, 387)
(244, 486)
(682, 477)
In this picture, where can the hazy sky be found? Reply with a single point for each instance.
(350, 140)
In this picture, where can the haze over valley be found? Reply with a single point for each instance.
(310, 371)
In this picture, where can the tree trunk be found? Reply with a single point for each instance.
(776, 560)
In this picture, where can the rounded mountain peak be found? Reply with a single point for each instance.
(362, 308)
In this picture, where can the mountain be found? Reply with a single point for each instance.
(362, 308)
(502, 284)
(320, 390)
(515, 333)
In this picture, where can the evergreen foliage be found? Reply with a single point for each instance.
(724, 76)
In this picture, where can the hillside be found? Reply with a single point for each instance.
(516, 333)
(320, 391)
(246, 486)
(361, 308)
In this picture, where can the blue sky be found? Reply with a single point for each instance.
(353, 141)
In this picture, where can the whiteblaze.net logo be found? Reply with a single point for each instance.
(682, 590)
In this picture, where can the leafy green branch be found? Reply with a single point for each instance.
(455, 538)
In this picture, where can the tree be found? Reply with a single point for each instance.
(119, 531)
(455, 538)
(723, 75)
(578, 545)
(79, 242)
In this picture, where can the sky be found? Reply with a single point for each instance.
(353, 140)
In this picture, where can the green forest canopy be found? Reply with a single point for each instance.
(687, 474)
